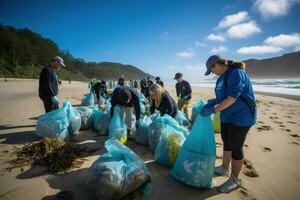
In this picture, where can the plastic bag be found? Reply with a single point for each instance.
(87, 117)
(141, 134)
(157, 128)
(217, 122)
(195, 162)
(182, 119)
(88, 100)
(196, 110)
(53, 124)
(74, 119)
(101, 122)
(118, 172)
(117, 127)
(169, 146)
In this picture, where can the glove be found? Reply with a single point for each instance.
(212, 102)
(207, 110)
(137, 124)
(54, 100)
(184, 98)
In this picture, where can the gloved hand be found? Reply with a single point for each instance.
(137, 124)
(184, 98)
(207, 110)
(54, 100)
(212, 102)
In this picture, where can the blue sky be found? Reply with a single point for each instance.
(162, 37)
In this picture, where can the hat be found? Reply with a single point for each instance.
(59, 60)
(178, 75)
(157, 78)
(125, 95)
(211, 61)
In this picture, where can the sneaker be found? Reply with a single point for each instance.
(231, 184)
(221, 171)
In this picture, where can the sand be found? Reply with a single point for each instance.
(272, 150)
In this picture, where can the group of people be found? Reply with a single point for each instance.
(234, 100)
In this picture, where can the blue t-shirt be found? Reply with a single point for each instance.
(238, 84)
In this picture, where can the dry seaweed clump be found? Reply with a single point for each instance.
(53, 153)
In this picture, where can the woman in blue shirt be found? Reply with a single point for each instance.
(236, 103)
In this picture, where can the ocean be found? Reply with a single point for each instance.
(289, 86)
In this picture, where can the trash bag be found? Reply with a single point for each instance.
(101, 122)
(74, 119)
(141, 134)
(217, 122)
(53, 124)
(195, 162)
(158, 127)
(118, 172)
(182, 119)
(169, 146)
(107, 107)
(88, 100)
(196, 110)
(117, 127)
(87, 117)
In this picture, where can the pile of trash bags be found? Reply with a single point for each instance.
(117, 173)
(62, 123)
(87, 117)
(101, 122)
(196, 110)
(182, 119)
(117, 127)
(195, 162)
(88, 100)
(141, 134)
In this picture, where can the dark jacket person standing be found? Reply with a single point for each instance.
(184, 93)
(48, 84)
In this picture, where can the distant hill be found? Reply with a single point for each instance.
(24, 53)
(285, 66)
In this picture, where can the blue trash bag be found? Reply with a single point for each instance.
(182, 119)
(195, 162)
(117, 127)
(101, 122)
(107, 107)
(141, 134)
(74, 119)
(158, 127)
(169, 146)
(196, 110)
(118, 172)
(87, 117)
(88, 100)
(53, 124)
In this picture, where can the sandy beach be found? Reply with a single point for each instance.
(272, 146)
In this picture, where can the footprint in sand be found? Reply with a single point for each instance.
(288, 130)
(244, 194)
(260, 122)
(291, 122)
(264, 128)
(246, 145)
(267, 149)
(277, 122)
(295, 135)
(296, 143)
(249, 170)
(282, 125)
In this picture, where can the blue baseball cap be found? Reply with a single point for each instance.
(211, 61)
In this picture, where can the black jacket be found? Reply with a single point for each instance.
(48, 83)
(100, 89)
(161, 83)
(167, 106)
(134, 101)
(184, 89)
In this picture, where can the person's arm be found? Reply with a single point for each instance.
(137, 107)
(168, 106)
(113, 102)
(225, 104)
(177, 89)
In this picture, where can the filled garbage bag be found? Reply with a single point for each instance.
(217, 122)
(117, 173)
(196, 110)
(107, 107)
(141, 134)
(88, 100)
(117, 127)
(74, 119)
(158, 127)
(53, 124)
(87, 117)
(182, 119)
(169, 146)
(101, 122)
(196, 160)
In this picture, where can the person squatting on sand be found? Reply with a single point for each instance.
(100, 90)
(48, 84)
(127, 99)
(183, 92)
(161, 100)
(236, 102)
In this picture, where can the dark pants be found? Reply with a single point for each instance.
(233, 137)
(49, 105)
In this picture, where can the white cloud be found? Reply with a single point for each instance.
(243, 30)
(189, 53)
(274, 8)
(234, 19)
(199, 44)
(284, 40)
(263, 49)
(195, 67)
(215, 37)
(165, 36)
(219, 49)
